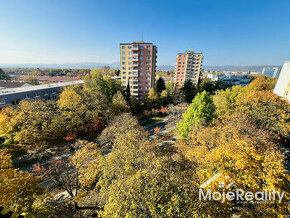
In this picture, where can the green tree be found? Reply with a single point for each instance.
(200, 113)
(103, 84)
(160, 85)
(128, 93)
(208, 86)
(4, 75)
(189, 91)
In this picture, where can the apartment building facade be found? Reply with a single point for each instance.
(138, 66)
(188, 66)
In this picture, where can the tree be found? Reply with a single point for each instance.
(128, 93)
(103, 84)
(234, 147)
(4, 75)
(119, 105)
(261, 82)
(31, 80)
(73, 110)
(137, 180)
(189, 91)
(36, 123)
(208, 85)
(200, 113)
(73, 175)
(20, 191)
(160, 85)
(153, 99)
(267, 110)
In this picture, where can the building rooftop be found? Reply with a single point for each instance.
(11, 84)
(39, 87)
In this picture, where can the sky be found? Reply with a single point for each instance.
(228, 32)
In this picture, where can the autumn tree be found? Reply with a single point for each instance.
(153, 100)
(137, 180)
(119, 105)
(200, 113)
(261, 82)
(74, 175)
(31, 80)
(36, 123)
(20, 191)
(73, 110)
(236, 148)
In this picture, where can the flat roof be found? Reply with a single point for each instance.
(141, 42)
(39, 87)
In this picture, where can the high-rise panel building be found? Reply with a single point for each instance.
(188, 66)
(271, 72)
(282, 87)
(138, 66)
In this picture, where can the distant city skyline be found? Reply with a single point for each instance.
(72, 31)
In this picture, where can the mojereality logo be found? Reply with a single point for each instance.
(237, 195)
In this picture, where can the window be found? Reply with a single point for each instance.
(141, 73)
(129, 52)
(123, 63)
(141, 58)
(148, 52)
(147, 58)
(141, 46)
(147, 68)
(148, 46)
(147, 63)
(141, 63)
(141, 68)
(130, 68)
(124, 68)
(124, 77)
(129, 47)
(129, 58)
(141, 52)
(2, 101)
(123, 58)
(123, 47)
(123, 52)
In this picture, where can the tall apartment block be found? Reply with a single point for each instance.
(188, 66)
(138, 65)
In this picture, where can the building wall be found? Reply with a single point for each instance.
(282, 86)
(138, 66)
(188, 66)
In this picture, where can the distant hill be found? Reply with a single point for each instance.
(256, 68)
(116, 65)
(81, 65)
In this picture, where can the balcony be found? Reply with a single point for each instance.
(134, 72)
(135, 56)
(135, 64)
(135, 48)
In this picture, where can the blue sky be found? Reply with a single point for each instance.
(228, 32)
